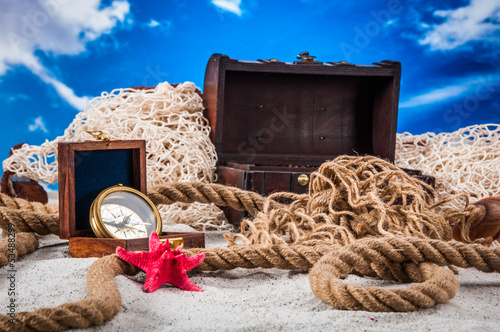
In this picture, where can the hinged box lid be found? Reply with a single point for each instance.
(269, 112)
(87, 168)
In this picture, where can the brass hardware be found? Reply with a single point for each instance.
(98, 135)
(323, 109)
(303, 179)
(342, 63)
(175, 242)
(322, 138)
(307, 59)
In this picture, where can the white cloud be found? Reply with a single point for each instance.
(478, 85)
(477, 21)
(232, 6)
(20, 96)
(435, 96)
(161, 26)
(39, 124)
(153, 23)
(55, 27)
(64, 91)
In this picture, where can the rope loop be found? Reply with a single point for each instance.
(436, 285)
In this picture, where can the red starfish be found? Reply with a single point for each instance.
(163, 265)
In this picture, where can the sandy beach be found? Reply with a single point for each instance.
(242, 300)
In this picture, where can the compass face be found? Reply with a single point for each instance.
(124, 213)
(123, 222)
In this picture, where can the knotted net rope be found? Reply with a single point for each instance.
(362, 215)
(178, 145)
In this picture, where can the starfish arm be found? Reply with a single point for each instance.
(183, 282)
(154, 279)
(139, 259)
(154, 242)
(193, 261)
(166, 245)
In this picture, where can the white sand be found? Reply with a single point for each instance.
(242, 300)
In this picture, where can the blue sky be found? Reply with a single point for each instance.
(55, 55)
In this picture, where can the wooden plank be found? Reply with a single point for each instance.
(84, 247)
(277, 182)
(255, 181)
(231, 176)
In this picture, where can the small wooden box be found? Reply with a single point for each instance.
(273, 122)
(86, 169)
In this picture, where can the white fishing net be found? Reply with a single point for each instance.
(178, 146)
(466, 161)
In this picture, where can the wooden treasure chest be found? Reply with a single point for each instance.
(275, 122)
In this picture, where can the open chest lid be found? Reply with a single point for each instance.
(268, 112)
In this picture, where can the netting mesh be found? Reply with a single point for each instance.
(465, 162)
(178, 146)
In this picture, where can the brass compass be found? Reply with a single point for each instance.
(122, 212)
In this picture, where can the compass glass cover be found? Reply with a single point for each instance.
(127, 216)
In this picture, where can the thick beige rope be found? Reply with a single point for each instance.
(370, 257)
(211, 193)
(16, 245)
(27, 216)
(439, 285)
(101, 305)
(402, 259)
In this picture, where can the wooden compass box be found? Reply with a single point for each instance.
(87, 168)
(274, 122)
